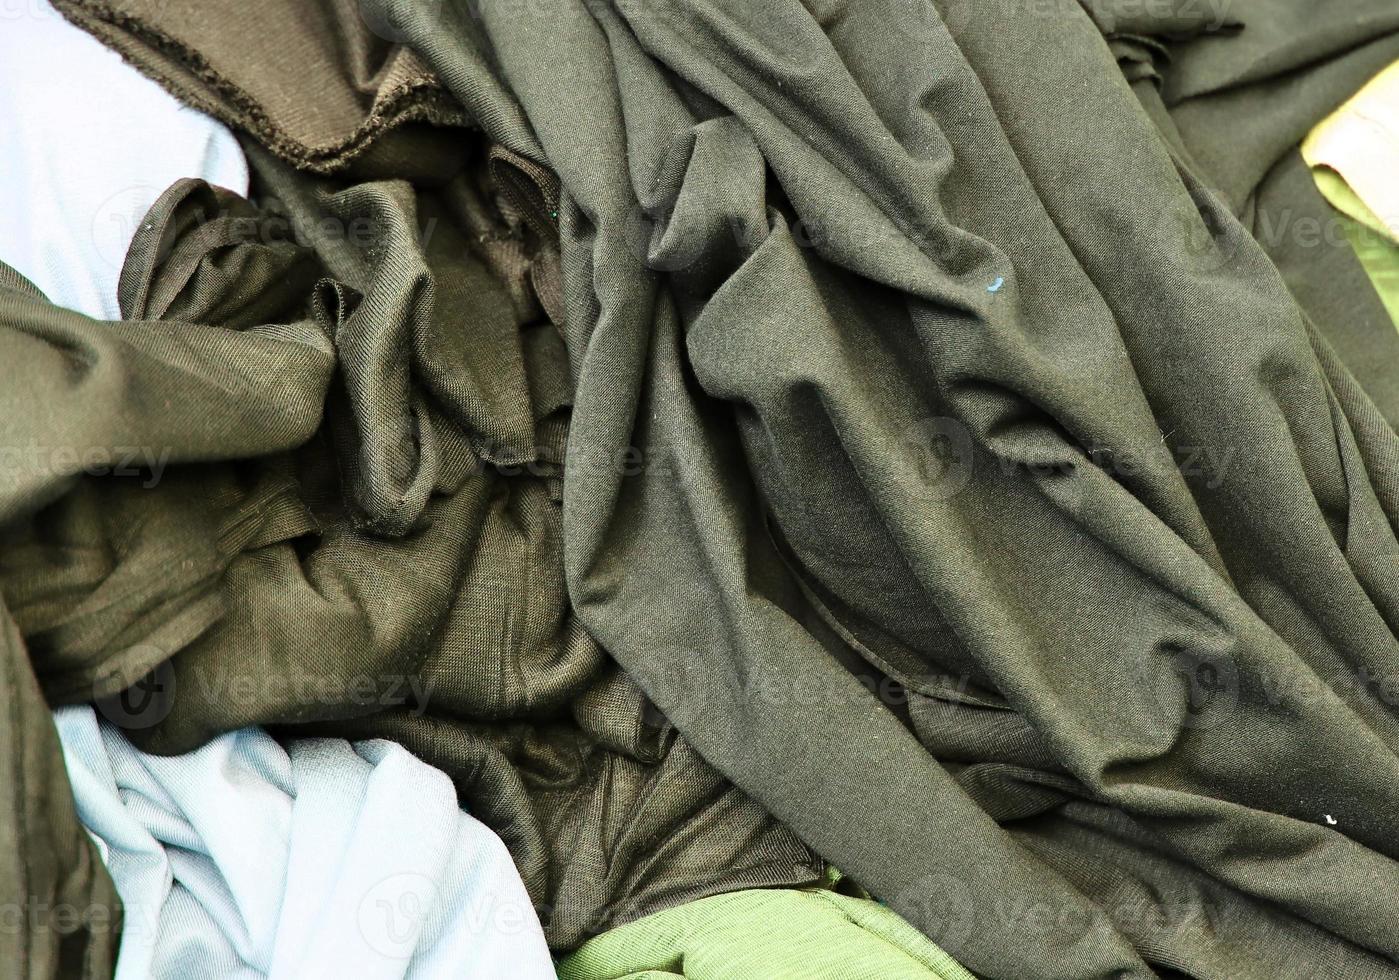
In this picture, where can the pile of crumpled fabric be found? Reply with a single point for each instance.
(725, 489)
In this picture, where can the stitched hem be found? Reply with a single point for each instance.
(424, 100)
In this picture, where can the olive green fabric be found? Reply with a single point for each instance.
(353, 406)
(1324, 273)
(97, 578)
(765, 934)
(955, 457)
(1379, 254)
(96, 575)
(227, 354)
(1240, 103)
(62, 915)
(332, 84)
(943, 360)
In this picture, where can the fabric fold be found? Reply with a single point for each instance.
(242, 859)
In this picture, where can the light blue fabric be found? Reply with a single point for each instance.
(88, 144)
(333, 860)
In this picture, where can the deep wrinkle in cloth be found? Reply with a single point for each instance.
(1115, 542)
(247, 859)
(364, 393)
(1117, 447)
(84, 153)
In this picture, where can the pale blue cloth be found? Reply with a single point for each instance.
(243, 859)
(87, 143)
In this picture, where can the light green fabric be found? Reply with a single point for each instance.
(1376, 249)
(1335, 189)
(765, 934)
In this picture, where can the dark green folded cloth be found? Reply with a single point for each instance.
(966, 454)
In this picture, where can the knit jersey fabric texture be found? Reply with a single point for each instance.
(975, 475)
